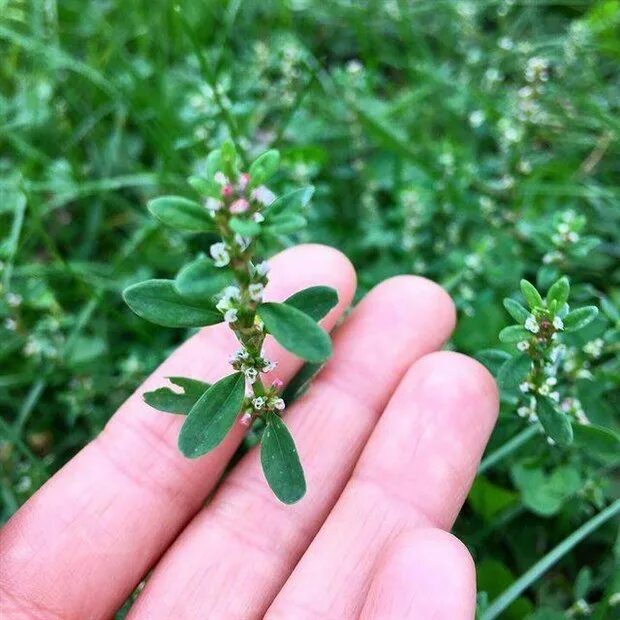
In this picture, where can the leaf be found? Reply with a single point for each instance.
(513, 333)
(213, 415)
(206, 187)
(579, 318)
(296, 331)
(597, 441)
(488, 499)
(555, 422)
(293, 201)
(165, 399)
(516, 310)
(280, 461)
(286, 223)
(264, 167)
(201, 279)
(558, 293)
(181, 213)
(214, 163)
(228, 156)
(244, 227)
(532, 296)
(315, 301)
(493, 359)
(159, 302)
(514, 371)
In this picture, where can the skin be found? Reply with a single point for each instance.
(390, 435)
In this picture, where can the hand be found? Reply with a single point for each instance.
(390, 435)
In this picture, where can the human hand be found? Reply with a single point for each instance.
(390, 435)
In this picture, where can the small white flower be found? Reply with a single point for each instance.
(251, 374)
(594, 348)
(256, 291)
(262, 269)
(13, 299)
(279, 404)
(10, 324)
(476, 118)
(524, 345)
(572, 236)
(242, 242)
(241, 205)
(230, 316)
(531, 324)
(551, 381)
(544, 389)
(524, 387)
(220, 254)
(550, 441)
(258, 218)
(554, 396)
(258, 402)
(220, 178)
(263, 195)
(523, 412)
(246, 419)
(231, 293)
(212, 204)
(269, 366)
(558, 323)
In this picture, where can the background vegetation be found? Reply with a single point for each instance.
(474, 142)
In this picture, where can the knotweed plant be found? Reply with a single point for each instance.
(537, 371)
(227, 286)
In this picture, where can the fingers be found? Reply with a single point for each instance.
(81, 544)
(235, 555)
(426, 573)
(415, 471)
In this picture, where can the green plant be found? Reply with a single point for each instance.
(228, 287)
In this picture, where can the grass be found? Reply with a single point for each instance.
(444, 138)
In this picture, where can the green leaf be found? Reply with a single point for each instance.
(229, 159)
(214, 163)
(579, 318)
(514, 371)
(201, 279)
(293, 201)
(206, 187)
(532, 296)
(165, 399)
(264, 167)
(493, 359)
(296, 331)
(286, 223)
(558, 293)
(213, 415)
(516, 310)
(315, 301)
(555, 422)
(181, 214)
(280, 461)
(244, 226)
(514, 333)
(159, 302)
(597, 441)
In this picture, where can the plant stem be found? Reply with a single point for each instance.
(508, 448)
(506, 598)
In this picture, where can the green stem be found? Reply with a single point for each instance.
(506, 598)
(508, 448)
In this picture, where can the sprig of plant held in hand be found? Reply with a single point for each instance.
(532, 375)
(228, 287)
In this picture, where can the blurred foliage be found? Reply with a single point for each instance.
(454, 140)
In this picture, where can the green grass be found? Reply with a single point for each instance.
(444, 138)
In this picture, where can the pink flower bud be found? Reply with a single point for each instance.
(239, 206)
(227, 190)
(246, 419)
(244, 180)
(277, 384)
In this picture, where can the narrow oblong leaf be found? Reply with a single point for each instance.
(296, 331)
(264, 167)
(555, 422)
(518, 312)
(287, 223)
(598, 441)
(165, 399)
(206, 187)
(182, 214)
(315, 301)
(293, 201)
(514, 371)
(213, 415)
(532, 296)
(201, 279)
(558, 292)
(579, 318)
(513, 333)
(159, 302)
(280, 461)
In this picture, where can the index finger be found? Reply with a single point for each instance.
(82, 542)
